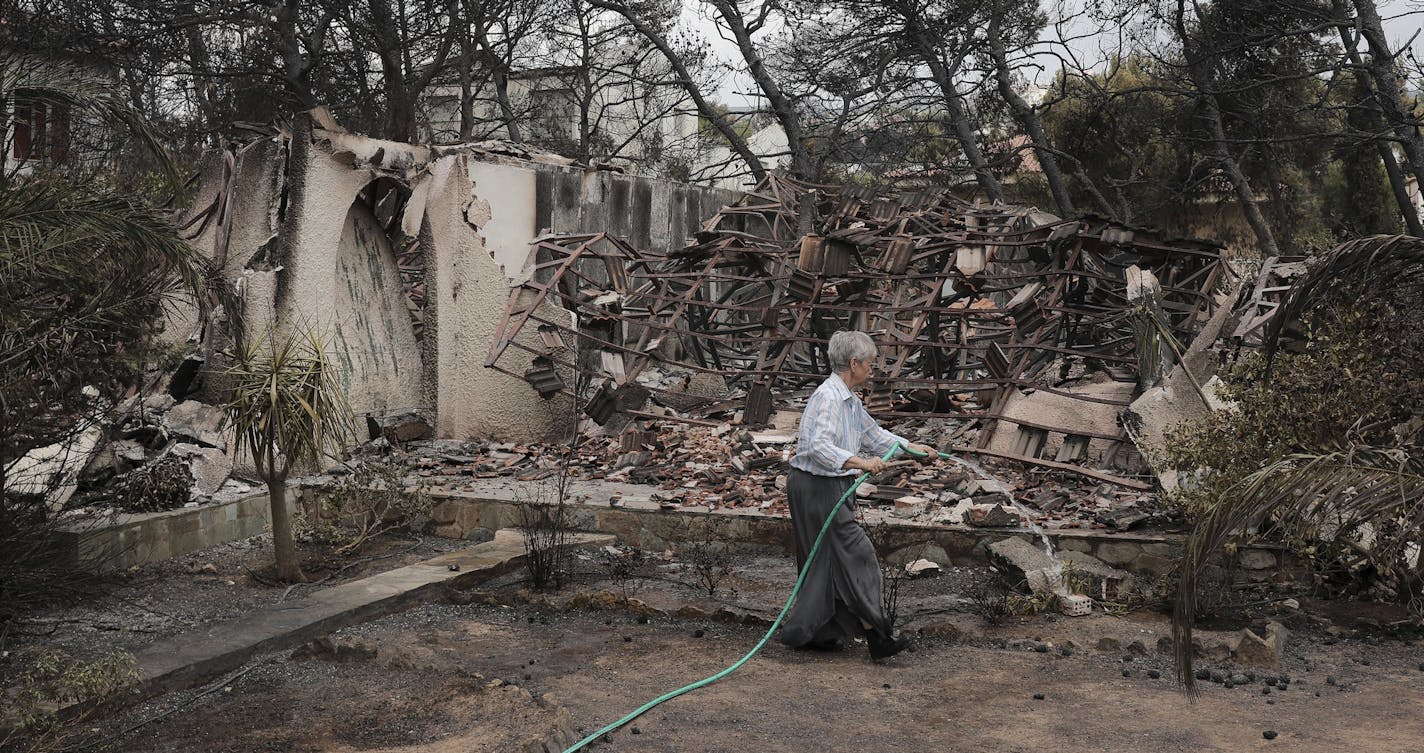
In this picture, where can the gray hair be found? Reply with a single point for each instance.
(847, 345)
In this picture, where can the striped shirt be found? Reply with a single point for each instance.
(836, 427)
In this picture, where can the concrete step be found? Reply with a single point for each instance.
(190, 659)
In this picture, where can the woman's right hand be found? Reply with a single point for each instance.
(869, 465)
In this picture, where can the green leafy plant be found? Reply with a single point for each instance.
(372, 500)
(1322, 449)
(54, 697)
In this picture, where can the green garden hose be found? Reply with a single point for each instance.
(816, 547)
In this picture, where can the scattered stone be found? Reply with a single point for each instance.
(1269, 734)
(196, 421)
(1154, 674)
(208, 568)
(454, 567)
(698, 633)
(992, 517)
(1262, 652)
(921, 567)
(1107, 643)
(1137, 648)
(1240, 679)
(636, 731)
(1127, 673)
(1022, 560)
(911, 504)
(1038, 696)
(398, 427)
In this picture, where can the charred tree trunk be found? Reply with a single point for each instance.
(1217, 143)
(943, 75)
(1028, 118)
(1389, 93)
(802, 166)
(705, 108)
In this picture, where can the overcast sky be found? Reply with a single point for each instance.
(1403, 20)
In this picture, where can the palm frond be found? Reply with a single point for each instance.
(1376, 261)
(1320, 495)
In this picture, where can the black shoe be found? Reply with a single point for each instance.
(882, 647)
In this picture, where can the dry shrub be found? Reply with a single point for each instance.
(372, 500)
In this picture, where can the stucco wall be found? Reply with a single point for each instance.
(325, 262)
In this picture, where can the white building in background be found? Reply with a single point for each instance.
(649, 129)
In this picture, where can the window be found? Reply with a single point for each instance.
(41, 130)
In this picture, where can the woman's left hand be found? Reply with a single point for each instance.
(924, 452)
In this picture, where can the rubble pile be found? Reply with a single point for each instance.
(1035, 330)
(161, 454)
(730, 467)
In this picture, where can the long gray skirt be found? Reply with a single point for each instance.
(843, 586)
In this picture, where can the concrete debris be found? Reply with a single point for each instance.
(398, 427)
(210, 467)
(921, 567)
(53, 471)
(198, 422)
(1021, 561)
(1264, 652)
(993, 516)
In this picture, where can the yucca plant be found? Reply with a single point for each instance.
(288, 412)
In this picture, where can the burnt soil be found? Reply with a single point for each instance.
(449, 677)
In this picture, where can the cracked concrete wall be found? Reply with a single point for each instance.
(327, 263)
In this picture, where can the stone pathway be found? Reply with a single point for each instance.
(191, 658)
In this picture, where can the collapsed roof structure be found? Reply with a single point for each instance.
(994, 314)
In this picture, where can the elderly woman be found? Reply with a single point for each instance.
(841, 596)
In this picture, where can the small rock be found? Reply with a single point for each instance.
(886, 686)
(1109, 644)
(636, 731)
(1127, 673)
(1330, 679)
(1154, 674)
(627, 639)
(1038, 696)
(698, 633)
(1269, 734)
(1240, 679)
(454, 567)
(209, 568)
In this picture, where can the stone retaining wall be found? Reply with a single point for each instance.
(128, 539)
(133, 539)
(643, 525)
